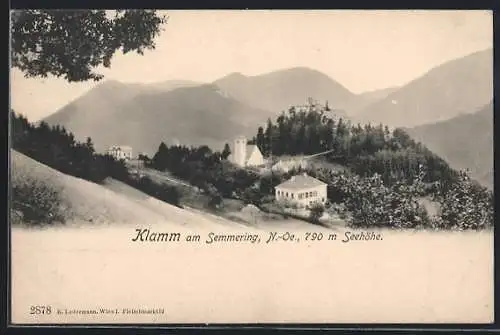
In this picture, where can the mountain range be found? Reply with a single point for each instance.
(143, 118)
(277, 91)
(456, 87)
(465, 142)
(192, 113)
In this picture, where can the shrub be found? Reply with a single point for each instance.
(316, 212)
(282, 207)
(267, 199)
(466, 205)
(35, 203)
(169, 194)
(216, 202)
(251, 196)
(372, 203)
(163, 192)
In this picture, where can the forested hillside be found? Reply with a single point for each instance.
(364, 149)
(388, 174)
(58, 149)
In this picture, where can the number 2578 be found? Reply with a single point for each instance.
(40, 310)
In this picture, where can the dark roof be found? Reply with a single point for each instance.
(301, 181)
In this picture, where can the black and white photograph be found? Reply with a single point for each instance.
(251, 166)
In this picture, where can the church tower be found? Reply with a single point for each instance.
(239, 150)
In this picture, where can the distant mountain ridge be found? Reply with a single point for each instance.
(277, 91)
(369, 97)
(192, 113)
(465, 141)
(197, 115)
(456, 87)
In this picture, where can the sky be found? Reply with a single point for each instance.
(362, 50)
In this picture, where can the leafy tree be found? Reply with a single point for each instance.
(144, 158)
(226, 152)
(73, 43)
(260, 139)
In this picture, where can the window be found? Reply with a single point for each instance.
(307, 195)
(292, 195)
(310, 194)
(323, 199)
(286, 194)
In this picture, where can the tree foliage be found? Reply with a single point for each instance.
(73, 43)
(365, 149)
(35, 202)
(57, 148)
(204, 169)
(316, 212)
(167, 193)
(388, 176)
(466, 205)
(226, 151)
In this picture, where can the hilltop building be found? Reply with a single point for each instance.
(302, 190)
(120, 152)
(243, 154)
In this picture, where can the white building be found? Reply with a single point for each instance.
(243, 154)
(120, 152)
(285, 164)
(302, 190)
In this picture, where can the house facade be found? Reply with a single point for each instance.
(243, 154)
(120, 152)
(302, 190)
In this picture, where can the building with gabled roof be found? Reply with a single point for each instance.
(302, 190)
(243, 154)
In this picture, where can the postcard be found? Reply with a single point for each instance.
(251, 166)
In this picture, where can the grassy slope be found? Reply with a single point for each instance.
(115, 202)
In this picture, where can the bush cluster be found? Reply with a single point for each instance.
(167, 193)
(465, 205)
(34, 202)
